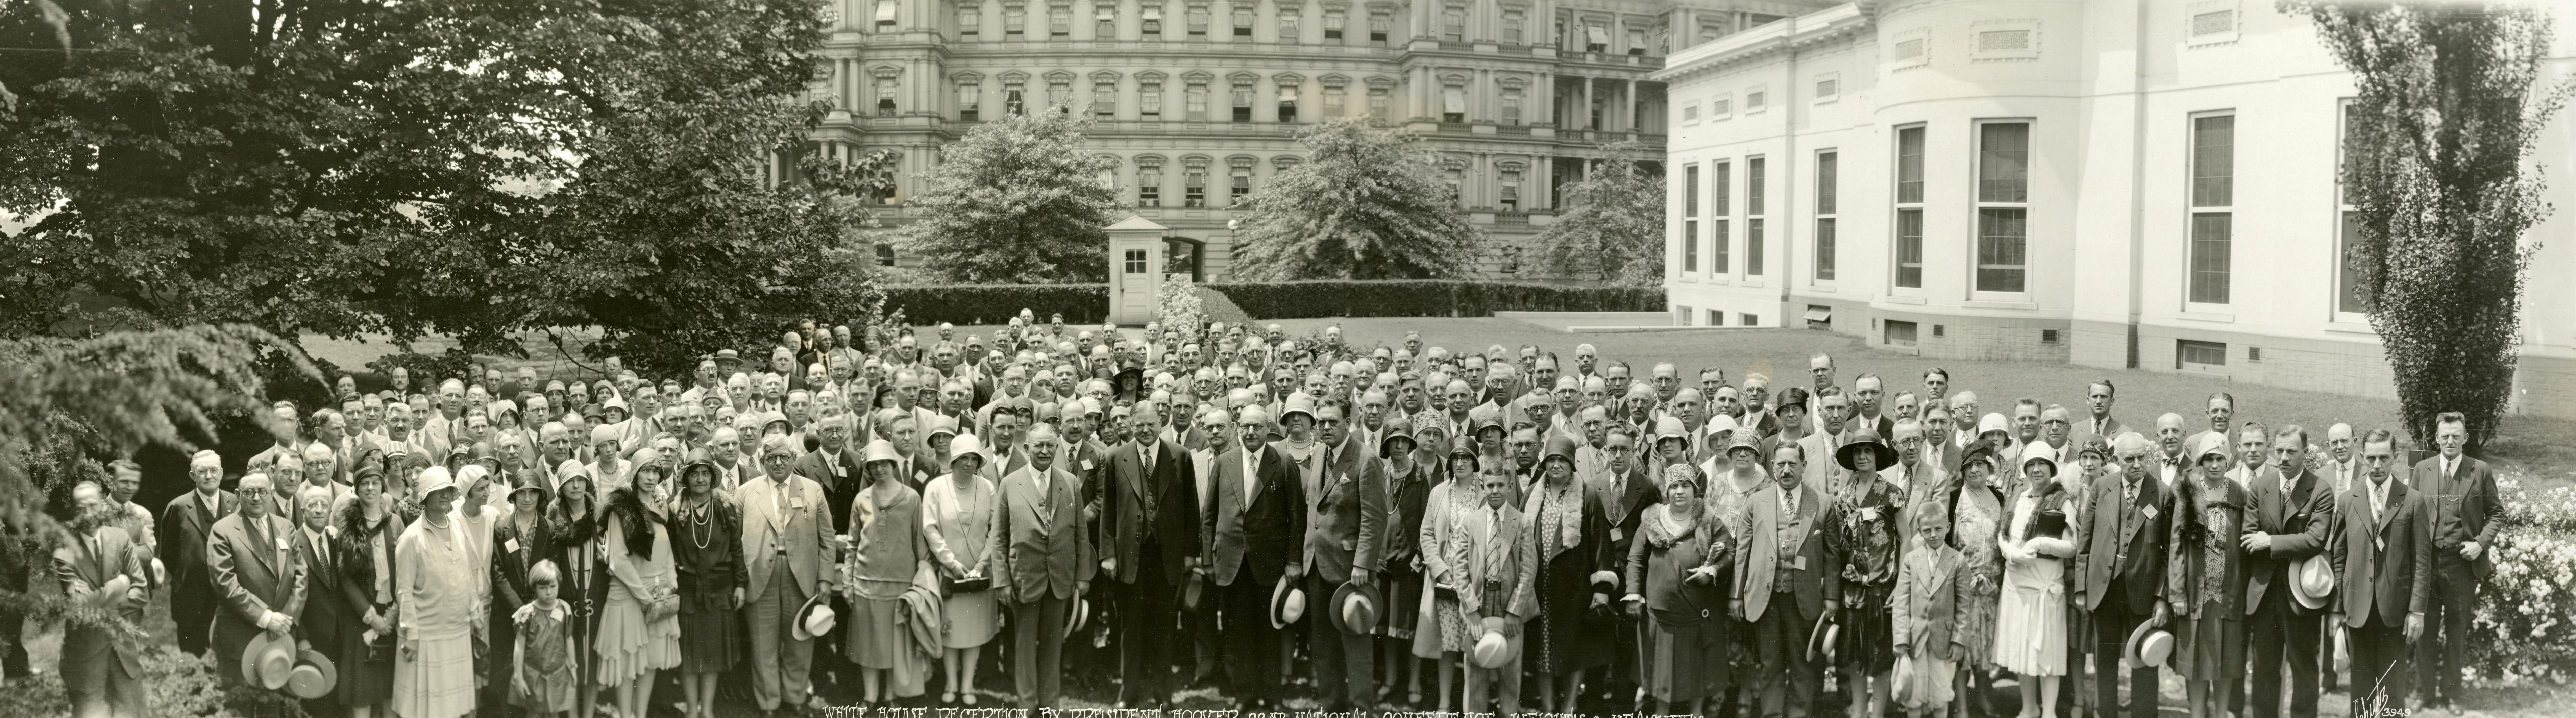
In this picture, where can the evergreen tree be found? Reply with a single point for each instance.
(1364, 205)
(1016, 201)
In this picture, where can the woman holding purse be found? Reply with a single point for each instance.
(639, 626)
(957, 511)
(1682, 564)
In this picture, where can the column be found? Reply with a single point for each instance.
(1583, 112)
(1628, 105)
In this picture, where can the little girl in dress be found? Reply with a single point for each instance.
(545, 681)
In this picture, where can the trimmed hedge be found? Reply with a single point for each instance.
(1430, 298)
(984, 304)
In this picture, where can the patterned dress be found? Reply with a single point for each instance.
(1976, 523)
(1447, 502)
(1556, 644)
(1867, 539)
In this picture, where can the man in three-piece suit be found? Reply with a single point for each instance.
(2464, 513)
(1150, 536)
(1782, 581)
(2381, 547)
(2122, 565)
(1344, 543)
(183, 528)
(1256, 537)
(99, 677)
(319, 625)
(258, 576)
(2292, 507)
(834, 467)
(1046, 561)
(787, 553)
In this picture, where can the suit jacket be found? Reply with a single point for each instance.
(765, 530)
(1124, 528)
(253, 574)
(1926, 599)
(839, 489)
(1619, 528)
(1260, 534)
(1044, 553)
(2297, 522)
(2125, 543)
(323, 610)
(183, 531)
(1811, 572)
(1348, 525)
(2111, 428)
(2383, 564)
(2467, 496)
(1517, 574)
(510, 568)
(82, 573)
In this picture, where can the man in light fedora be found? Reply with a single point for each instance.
(1045, 560)
(256, 572)
(100, 566)
(2381, 547)
(787, 558)
(1255, 535)
(2291, 510)
(2121, 566)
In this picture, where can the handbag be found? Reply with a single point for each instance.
(661, 606)
(957, 586)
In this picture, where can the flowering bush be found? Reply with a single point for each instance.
(2524, 630)
(1179, 310)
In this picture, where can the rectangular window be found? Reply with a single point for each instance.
(1012, 101)
(1060, 97)
(1457, 187)
(1511, 106)
(1378, 24)
(1690, 245)
(1242, 21)
(1909, 248)
(1754, 179)
(1333, 20)
(1377, 99)
(2003, 206)
(1104, 100)
(885, 96)
(1753, 100)
(1149, 187)
(2213, 199)
(1104, 22)
(1195, 191)
(1287, 103)
(1015, 22)
(1690, 218)
(1909, 207)
(1826, 167)
(1060, 21)
(1513, 20)
(1288, 26)
(885, 15)
(1152, 18)
(1453, 103)
(1690, 190)
(1896, 333)
(1196, 102)
(1453, 23)
(970, 22)
(1242, 186)
(970, 99)
(1721, 244)
(1721, 203)
(1335, 99)
(2349, 296)
(1690, 113)
(1198, 17)
(1748, 319)
(1596, 38)
(1636, 41)
(1242, 103)
(1134, 262)
(2188, 353)
(1511, 190)
(1716, 318)
(1149, 100)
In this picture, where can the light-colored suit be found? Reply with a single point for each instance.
(100, 678)
(1491, 558)
(254, 573)
(1046, 558)
(792, 516)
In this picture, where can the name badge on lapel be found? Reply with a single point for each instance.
(1618, 535)
(511, 545)
(1086, 464)
(2150, 511)
(797, 503)
(838, 470)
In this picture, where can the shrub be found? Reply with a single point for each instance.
(977, 304)
(1220, 308)
(1430, 298)
(2525, 625)
(1178, 307)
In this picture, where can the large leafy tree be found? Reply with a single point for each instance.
(475, 168)
(1612, 224)
(1016, 201)
(1365, 205)
(2446, 113)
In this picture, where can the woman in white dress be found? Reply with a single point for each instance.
(2030, 627)
(639, 627)
(437, 573)
(1444, 634)
(957, 509)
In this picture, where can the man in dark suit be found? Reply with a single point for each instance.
(1046, 560)
(2122, 565)
(1255, 535)
(2291, 510)
(1344, 544)
(1783, 586)
(2099, 396)
(1623, 490)
(99, 566)
(2382, 551)
(258, 577)
(2461, 506)
(183, 527)
(319, 624)
(1150, 537)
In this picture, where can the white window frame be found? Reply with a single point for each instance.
(2343, 234)
(1757, 224)
(1978, 52)
(1721, 215)
(1756, 99)
(1690, 239)
(1976, 232)
(2191, 22)
(1827, 87)
(1721, 107)
(2193, 210)
(1896, 43)
(1898, 207)
(1827, 186)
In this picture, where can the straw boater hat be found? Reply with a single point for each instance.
(815, 618)
(1286, 604)
(267, 662)
(2147, 646)
(313, 675)
(1822, 641)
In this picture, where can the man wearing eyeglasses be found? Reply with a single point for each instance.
(256, 573)
(787, 550)
(183, 535)
(1621, 491)
(1256, 533)
(2464, 514)
(2121, 569)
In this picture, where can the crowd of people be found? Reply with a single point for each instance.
(1396, 526)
